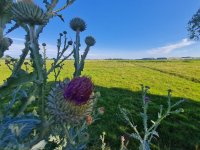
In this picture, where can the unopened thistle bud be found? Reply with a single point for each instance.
(101, 110)
(89, 119)
(70, 42)
(90, 41)
(78, 24)
(43, 44)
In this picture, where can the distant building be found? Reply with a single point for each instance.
(187, 57)
(148, 59)
(161, 58)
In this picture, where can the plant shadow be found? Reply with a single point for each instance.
(179, 131)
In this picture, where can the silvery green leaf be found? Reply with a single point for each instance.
(147, 147)
(144, 146)
(81, 147)
(178, 103)
(152, 121)
(159, 115)
(177, 111)
(19, 126)
(135, 136)
(155, 133)
(39, 145)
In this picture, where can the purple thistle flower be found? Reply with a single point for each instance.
(78, 90)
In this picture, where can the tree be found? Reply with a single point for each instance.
(194, 26)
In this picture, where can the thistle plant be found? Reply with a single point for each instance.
(72, 104)
(5, 18)
(149, 131)
(31, 117)
(78, 25)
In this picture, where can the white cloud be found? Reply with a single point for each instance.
(171, 47)
(18, 39)
(176, 49)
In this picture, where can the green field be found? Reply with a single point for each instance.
(119, 84)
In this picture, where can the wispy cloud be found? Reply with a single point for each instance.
(18, 39)
(171, 47)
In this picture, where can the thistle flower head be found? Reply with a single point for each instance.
(5, 6)
(90, 41)
(63, 110)
(78, 24)
(28, 12)
(78, 90)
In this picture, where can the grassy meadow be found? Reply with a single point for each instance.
(119, 84)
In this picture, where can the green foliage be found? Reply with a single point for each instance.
(5, 18)
(194, 26)
(119, 84)
(149, 131)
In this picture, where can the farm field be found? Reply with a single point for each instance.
(119, 84)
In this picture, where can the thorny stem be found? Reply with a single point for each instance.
(9, 67)
(56, 63)
(76, 53)
(82, 62)
(68, 135)
(145, 106)
(38, 68)
(22, 57)
(69, 2)
(1, 33)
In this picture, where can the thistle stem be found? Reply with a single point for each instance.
(22, 57)
(82, 62)
(1, 33)
(76, 53)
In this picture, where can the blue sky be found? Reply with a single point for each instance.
(125, 28)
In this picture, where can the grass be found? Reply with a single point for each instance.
(119, 84)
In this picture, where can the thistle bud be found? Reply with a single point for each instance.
(89, 119)
(101, 110)
(169, 90)
(90, 41)
(77, 24)
(70, 42)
